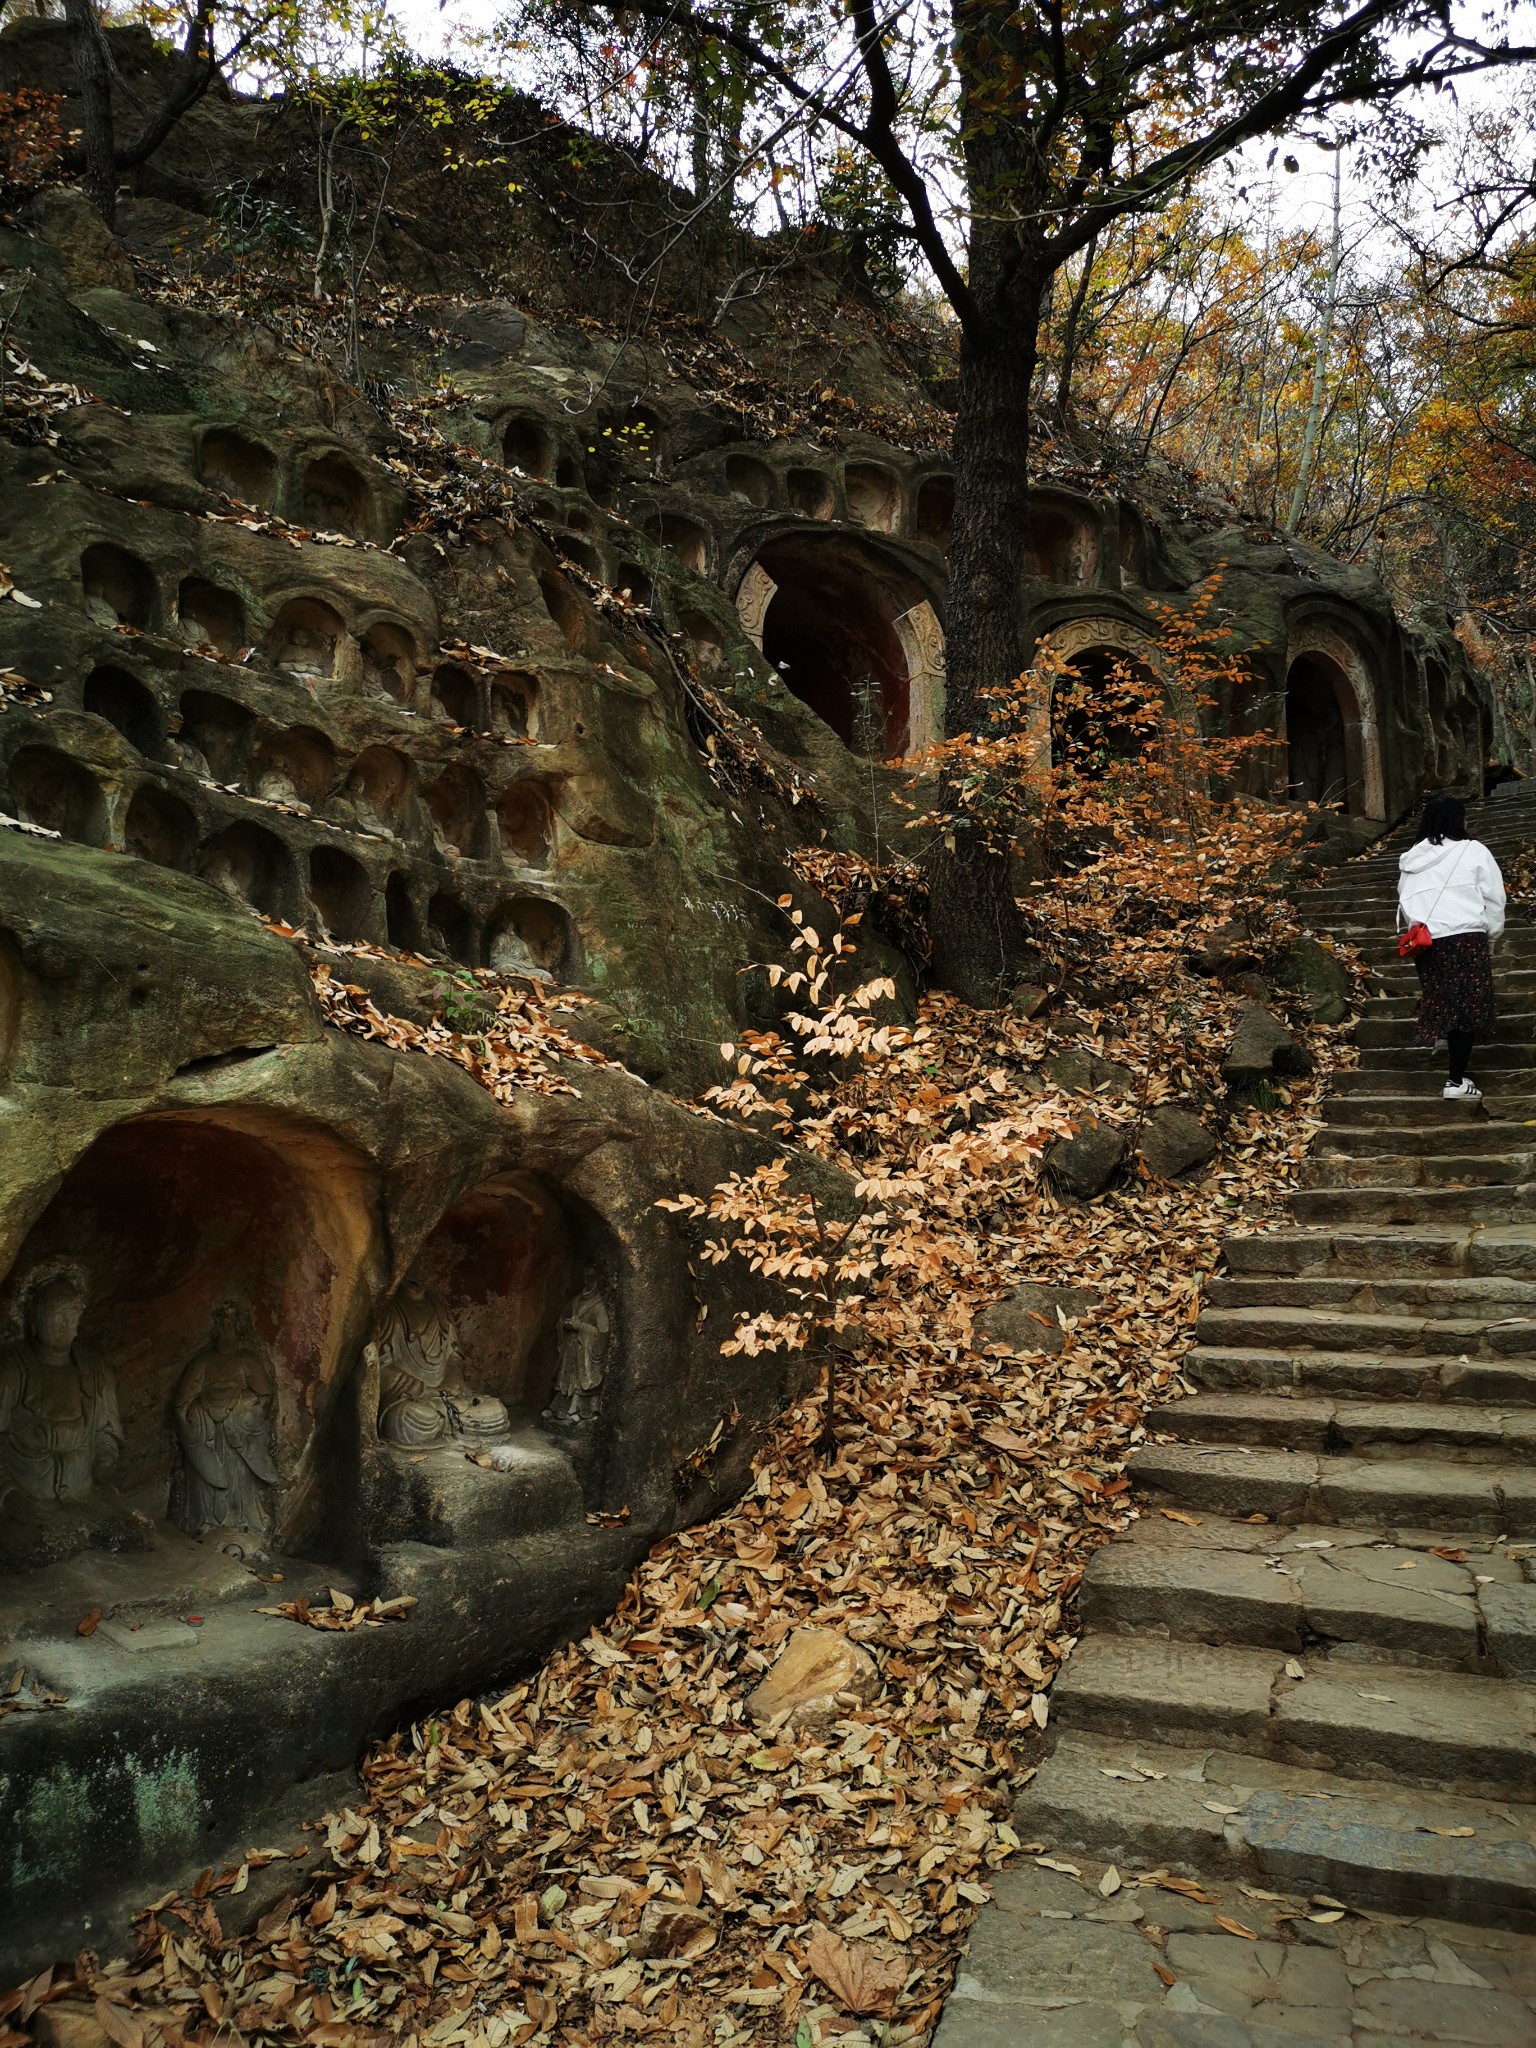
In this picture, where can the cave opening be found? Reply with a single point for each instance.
(831, 631)
(1319, 714)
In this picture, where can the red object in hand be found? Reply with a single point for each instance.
(1417, 939)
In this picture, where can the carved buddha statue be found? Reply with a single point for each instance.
(584, 1331)
(423, 1398)
(59, 1422)
(223, 1413)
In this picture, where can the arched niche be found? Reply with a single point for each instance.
(208, 1258)
(583, 554)
(307, 638)
(457, 802)
(568, 476)
(214, 734)
(1061, 541)
(686, 538)
(499, 1269)
(389, 661)
(809, 492)
(634, 580)
(341, 892)
(1332, 727)
(50, 789)
(1441, 747)
(452, 931)
(525, 822)
(210, 616)
(127, 705)
(335, 495)
(528, 445)
(746, 477)
(1100, 651)
(873, 495)
(1133, 545)
(159, 828)
(297, 766)
(402, 921)
(705, 640)
(242, 468)
(513, 697)
(853, 636)
(378, 786)
(569, 613)
(936, 511)
(118, 588)
(252, 865)
(532, 936)
(456, 694)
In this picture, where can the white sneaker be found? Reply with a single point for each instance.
(1462, 1091)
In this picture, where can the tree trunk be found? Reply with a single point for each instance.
(93, 63)
(978, 935)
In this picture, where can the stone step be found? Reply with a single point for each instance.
(1419, 1083)
(1459, 1170)
(1504, 1056)
(1477, 1250)
(1413, 1205)
(1460, 1431)
(1381, 1494)
(1461, 1295)
(1292, 1326)
(1362, 1375)
(1515, 1027)
(1459, 1138)
(1424, 1109)
(1202, 1812)
(1515, 1007)
(1462, 1604)
(1382, 1722)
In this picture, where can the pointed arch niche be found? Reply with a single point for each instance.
(1332, 730)
(853, 635)
(1093, 646)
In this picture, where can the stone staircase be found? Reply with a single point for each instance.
(1312, 1663)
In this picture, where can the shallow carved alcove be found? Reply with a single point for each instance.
(530, 936)
(297, 766)
(252, 865)
(512, 701)
(810, 493)
(215, 732)
(232, 462)
(126, 703)
(401, 923)
(746, 477)
(874, 496)
(159, 828)
(119, 589)
(529, 446)
(378, 787)
(936, 511)
(306, 638)
(568, 476)
(336, 496)
(452, 930)
(49, 789)
(1323, 734)
(457, 696)
(389, 661)
(705, 640)
(685, 537)
(1062, 544)
(567, 611)
(524, 821)
(583, 554)
(639, 436)
(457, 802)
(211, 617)
(341, 892)
(167, 1321)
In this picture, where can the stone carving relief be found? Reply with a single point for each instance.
(584, 1334)
(423, 1397)
(59, 1423)
(222, 1410)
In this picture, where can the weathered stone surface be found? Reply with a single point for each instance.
(1082, 1072)
(1173, 1142)
(1086, 1163)
(1228, 949)
(1509, 1613)
(817, 1677)
(1029, 1319)
(1028, 999)
(1314, 970)
(1263, 1049)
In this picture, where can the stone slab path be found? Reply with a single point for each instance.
(1309, 1671)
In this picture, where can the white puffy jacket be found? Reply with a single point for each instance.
(1455, 887)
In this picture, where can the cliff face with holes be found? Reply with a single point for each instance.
(520, 672)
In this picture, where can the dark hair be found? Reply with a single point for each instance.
(1445, 817)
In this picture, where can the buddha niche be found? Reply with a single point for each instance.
(423, 1398)
(223, 1414)
(59, 1422)
(585, 1329)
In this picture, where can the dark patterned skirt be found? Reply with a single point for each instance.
(1455, 988)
